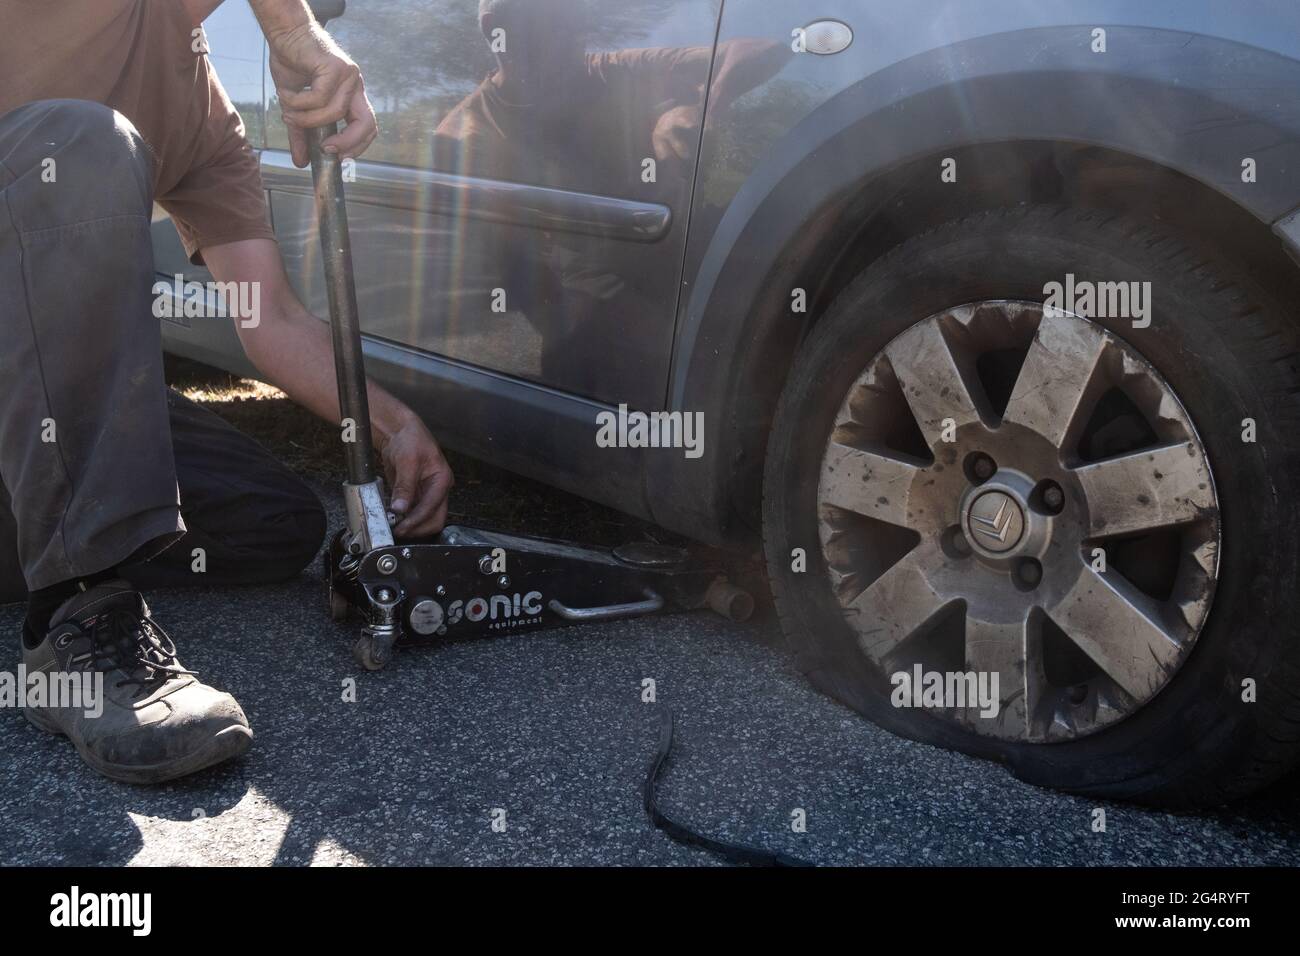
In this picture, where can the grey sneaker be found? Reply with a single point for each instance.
(157, 722)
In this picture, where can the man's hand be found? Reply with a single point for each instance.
(305, 55)
(420, 478)
(676, 133)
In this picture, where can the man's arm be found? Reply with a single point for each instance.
(292, 349)
(289, 345)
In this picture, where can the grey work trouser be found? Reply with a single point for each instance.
(87, 462)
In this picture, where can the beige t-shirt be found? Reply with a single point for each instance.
(138, 57)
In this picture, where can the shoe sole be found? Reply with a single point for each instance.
(224, 745)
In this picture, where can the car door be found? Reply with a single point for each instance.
(523, 211)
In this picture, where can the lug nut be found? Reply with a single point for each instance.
(983, 467)
(1053, 497)
(1030, 572)
(954, 543)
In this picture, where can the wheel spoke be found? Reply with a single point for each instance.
(1011, 650)
(898, 603)
(1155, 488)
(1119, 629)
(1055, 377)
(931, 381)
(867, 483)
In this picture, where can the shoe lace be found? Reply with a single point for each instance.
(136, 644)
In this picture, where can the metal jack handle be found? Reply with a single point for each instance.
(367, 514)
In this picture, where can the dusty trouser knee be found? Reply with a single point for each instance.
(85, 450)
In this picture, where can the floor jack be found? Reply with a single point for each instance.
(467, 582)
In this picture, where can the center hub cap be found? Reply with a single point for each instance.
(995, 521)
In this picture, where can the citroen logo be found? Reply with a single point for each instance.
(996, 521)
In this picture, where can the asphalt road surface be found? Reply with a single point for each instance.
(551, 728)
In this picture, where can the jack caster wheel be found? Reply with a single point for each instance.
(373, 651)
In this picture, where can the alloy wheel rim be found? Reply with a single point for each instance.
(1013, 492)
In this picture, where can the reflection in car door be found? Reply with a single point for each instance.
(524, 208)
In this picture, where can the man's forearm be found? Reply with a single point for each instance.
(293, 351)
(278, 17)
(289, 345)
